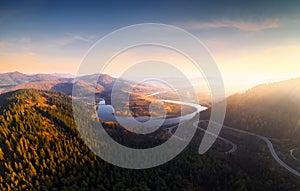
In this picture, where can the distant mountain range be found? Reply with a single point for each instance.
(84, 87)
(57, 82)
(16, 78)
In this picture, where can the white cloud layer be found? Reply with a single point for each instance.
(71, 38)
(237, 24)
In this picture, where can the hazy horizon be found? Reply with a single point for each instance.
(251, 42)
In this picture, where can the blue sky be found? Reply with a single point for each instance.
(44, 18)
(256, 39)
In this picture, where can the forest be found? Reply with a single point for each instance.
(41, 149)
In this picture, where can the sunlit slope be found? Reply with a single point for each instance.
(271, 109)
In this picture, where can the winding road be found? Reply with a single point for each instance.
(234, 146)
(269, 144)
(170, 129)
(293, 156)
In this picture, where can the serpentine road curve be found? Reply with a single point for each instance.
(293, 156)
(265, 139)
(269, 144)
(233, 145)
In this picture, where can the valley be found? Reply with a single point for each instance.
(42, 147)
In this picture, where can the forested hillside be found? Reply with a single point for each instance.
(41, 150)
(270, 109)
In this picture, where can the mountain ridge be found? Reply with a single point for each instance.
(271, 109)
(15, 80)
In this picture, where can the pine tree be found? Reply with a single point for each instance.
(1, 154)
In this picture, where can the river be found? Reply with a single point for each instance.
(106, 113)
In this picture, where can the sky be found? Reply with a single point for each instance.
(251, 42)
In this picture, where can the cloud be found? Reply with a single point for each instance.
(72, 38)
(237, 24)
